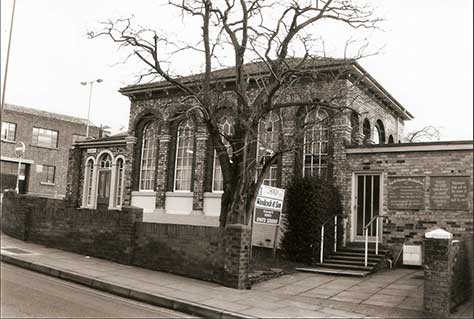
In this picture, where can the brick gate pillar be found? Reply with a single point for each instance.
(437, 268)
(236, 256)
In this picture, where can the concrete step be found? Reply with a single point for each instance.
(358, 254)
(354, 258)
(362, 250)
(334, 271)
(345, 266)
(331, 260)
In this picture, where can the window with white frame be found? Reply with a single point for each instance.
(149, 154)
(316, 141)
(44, 137)
(89, 182)
(8, 131)
(267, 145)
(225, 127)
(119, 182)
(184, 156)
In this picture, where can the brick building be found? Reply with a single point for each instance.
(47, 138)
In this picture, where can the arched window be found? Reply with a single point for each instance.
(105, 161)
(316, 141)
(148, 156)
(366, 130)
(119, 182)
(355, 128)
(225, 127)
(268, 143)
(390, 140)
(379, 136)
(184, 156)
(88, 182)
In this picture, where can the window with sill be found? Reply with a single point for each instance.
(316, 142)
(8, 131)
(119, 182)
(184, 156)
(48, 174)
(267, 145)
(44, 137)
(225, 127)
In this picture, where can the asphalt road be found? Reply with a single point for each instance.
(29, 294)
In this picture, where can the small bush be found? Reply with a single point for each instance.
(310, 202)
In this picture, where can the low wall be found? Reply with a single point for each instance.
(197, 251)
(209, 253)
(48, 221)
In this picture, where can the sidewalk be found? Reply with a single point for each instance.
(396, 293)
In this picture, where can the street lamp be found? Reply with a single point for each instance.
(90, 100)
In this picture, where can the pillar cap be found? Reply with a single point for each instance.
(439, 234)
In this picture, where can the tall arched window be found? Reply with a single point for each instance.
(379, 136)
(119, 182)
(268, 143)
(225, 127)
(184, 157)
(148, 156)
(366, 130)
(316, 141)
(88, 180)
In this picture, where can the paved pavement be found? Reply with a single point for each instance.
(33, 295)
(389, 294)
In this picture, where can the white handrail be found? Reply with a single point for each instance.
(335, 233)
(366, 230)
(321, 250)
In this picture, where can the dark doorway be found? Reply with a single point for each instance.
(103, 191)
(368, 202)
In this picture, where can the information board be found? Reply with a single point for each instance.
(406, 193)
(449, 192)
(268, 205)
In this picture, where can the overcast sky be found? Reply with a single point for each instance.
(426, 64)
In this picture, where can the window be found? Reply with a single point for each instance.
(88, 182)
(225, 127)
(48, 174)
(77, 137)
(8, 131)
(105, 161)
(44, 137)
(316, 141)
(366, 130)
(390, 140)
(379, 136)
(119, 182)
(149, 154)
(184, 156)
(268, 143)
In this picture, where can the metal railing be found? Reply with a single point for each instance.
(321, 250)
(375, 219)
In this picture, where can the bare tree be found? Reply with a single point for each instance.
(258, 43)
(426, 134)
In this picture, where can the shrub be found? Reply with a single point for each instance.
(310, 202)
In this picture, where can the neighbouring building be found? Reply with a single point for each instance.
(47, 137)
(168, 167)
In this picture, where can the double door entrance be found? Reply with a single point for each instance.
(367, 202)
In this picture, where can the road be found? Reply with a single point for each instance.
(28, 294)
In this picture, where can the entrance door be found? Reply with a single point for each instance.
(367, 203)
(103, 191)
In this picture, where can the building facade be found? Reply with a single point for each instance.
(47, 138)
(168, 167)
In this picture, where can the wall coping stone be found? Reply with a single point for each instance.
(439, 234)
(238, 226)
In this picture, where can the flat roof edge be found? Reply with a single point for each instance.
(412, 147)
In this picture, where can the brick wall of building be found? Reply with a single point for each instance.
(430, 161)
(36, 156)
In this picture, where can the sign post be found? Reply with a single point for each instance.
(268, 207)
(19, 152)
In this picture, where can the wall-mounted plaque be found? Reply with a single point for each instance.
(449, 192)
(406, 193)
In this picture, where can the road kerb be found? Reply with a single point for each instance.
(185, 306)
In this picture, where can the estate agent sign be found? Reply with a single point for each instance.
(268, 205)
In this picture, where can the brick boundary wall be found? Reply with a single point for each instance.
(208, 253)
(447, 271)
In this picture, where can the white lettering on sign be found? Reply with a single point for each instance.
(269, 204)
(91, 150)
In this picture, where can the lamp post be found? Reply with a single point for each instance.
(90, 100)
